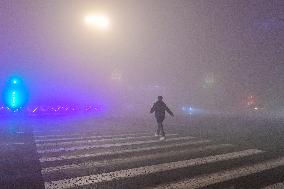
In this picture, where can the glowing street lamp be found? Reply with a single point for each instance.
(100, 22)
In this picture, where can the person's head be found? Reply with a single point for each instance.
(160, 98)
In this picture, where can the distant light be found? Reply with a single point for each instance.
(98, 21)
(256, 108)
(35, 109)
(188, 110)
(116, 75)
(15, 94)
(13, 99)
(209, 81)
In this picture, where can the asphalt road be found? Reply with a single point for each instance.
(235, 152)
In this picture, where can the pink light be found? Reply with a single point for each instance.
(35, 109)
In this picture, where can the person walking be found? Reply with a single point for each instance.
(160, 109)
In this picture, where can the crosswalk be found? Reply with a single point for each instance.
(275, 186)
(141, 160)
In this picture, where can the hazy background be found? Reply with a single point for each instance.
(211, 54)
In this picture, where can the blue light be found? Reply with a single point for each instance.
(15, 95)
(188, 110)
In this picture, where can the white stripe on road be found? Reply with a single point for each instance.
(149, 157)
(49, 131)
(141, 171)
(144, 149)
(98, 140)
(82, 137)
(223, 176)
(87, 147)
(275, 186)
(15, 143)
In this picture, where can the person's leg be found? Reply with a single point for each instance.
(158, 129)
(159, 121)
(162, 126)
(162, 130)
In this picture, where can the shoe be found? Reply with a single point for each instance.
(162, 138)
(156, 135)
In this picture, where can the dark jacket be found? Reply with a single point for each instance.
(160, 109)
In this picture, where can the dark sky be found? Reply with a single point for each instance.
(204, 52)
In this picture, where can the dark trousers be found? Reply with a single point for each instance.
(160, 130)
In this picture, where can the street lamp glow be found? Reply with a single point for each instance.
(98, 21)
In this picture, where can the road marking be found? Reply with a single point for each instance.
(144, 149)
(15, 143)
(46, 131)
(149, 157)
(87, 147)
(82, 137)
(18, 143)
(141, 171)
(275, 186)
(98, 140)
(223, 176)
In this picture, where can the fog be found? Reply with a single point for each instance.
(208, 54)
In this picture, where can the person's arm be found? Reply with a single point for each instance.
(153, 108)
(169, 111)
